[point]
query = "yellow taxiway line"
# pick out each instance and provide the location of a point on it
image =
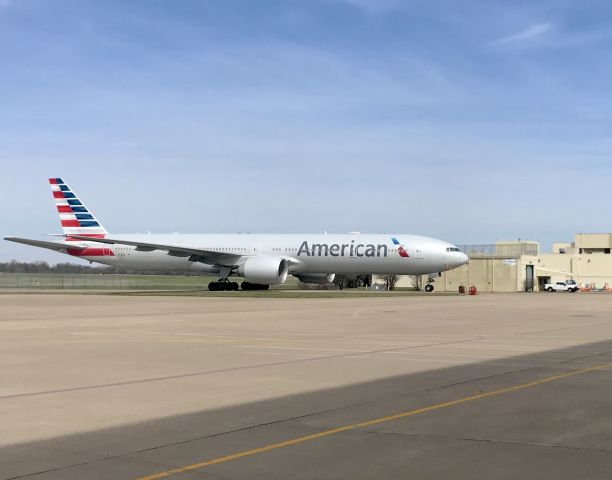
(368, 423)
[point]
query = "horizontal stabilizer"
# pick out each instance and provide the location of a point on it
(56, 246)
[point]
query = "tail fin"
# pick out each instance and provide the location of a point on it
(76, 219)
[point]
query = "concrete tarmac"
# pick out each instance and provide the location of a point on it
(494, 386)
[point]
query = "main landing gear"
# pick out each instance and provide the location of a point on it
(253, 286)
(227, 286)
(222, 286)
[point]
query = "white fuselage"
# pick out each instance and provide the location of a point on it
(319, 253)
(262, 260)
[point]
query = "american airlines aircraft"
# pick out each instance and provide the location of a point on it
(262, 260)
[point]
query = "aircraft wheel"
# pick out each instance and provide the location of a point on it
(254, 286)
(213, 286)
(429, 288)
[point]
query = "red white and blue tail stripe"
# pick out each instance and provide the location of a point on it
(76, 219)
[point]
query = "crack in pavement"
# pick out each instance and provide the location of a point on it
(222, 370)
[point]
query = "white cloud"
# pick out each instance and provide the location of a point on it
(547, 35)
(525, 36)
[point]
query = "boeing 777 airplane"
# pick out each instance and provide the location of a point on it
(262, 260)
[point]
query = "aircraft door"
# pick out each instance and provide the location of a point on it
(529, 278)
(416, 253)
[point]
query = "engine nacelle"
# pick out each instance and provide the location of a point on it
(320, 278)
(264, 270)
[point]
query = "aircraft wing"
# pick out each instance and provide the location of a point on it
(58, 247)
(199, 254)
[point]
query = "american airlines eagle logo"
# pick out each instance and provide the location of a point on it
(400, 249)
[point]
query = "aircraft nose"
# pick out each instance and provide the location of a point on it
(456, 259)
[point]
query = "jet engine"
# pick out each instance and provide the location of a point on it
(320, 278)
(264, 270)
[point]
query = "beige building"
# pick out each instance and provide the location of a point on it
(587, 260)
(518, 266)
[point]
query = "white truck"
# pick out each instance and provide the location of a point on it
(569, 286)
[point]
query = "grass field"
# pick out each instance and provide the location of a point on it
(168, 285)
(101, 281)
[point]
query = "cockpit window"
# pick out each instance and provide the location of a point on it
(452, 249)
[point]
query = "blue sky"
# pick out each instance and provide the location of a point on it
(469, 121)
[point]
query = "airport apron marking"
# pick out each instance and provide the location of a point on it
(369, 423)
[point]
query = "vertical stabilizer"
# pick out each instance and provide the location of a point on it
(76, 218)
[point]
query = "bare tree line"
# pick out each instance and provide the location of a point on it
(63, 268)
(391, 280)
